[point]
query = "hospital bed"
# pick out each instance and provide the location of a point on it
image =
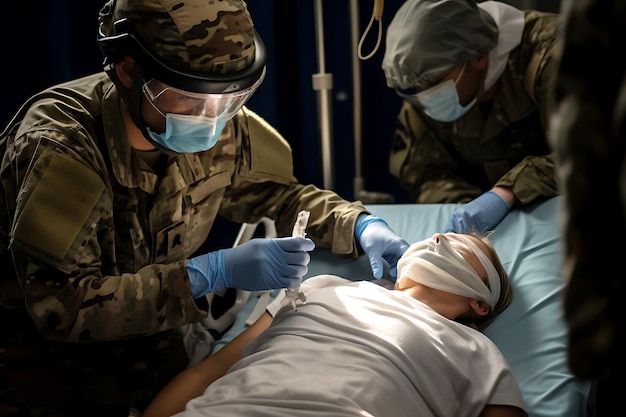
(531, 333)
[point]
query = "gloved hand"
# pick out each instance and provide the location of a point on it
(259, 264)
(481, 214)
(379, 242)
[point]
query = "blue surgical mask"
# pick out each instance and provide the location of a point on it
(189, 134)
(442, 102)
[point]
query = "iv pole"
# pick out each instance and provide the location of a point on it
(358, 183)
(360, 193)
(323, 84)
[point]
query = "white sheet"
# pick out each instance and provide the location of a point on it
(378, 350)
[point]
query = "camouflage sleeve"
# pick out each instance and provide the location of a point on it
(533, 178)
(265, 186)
(422, 164)
(63, 210)
(541, 73)
(589, 132)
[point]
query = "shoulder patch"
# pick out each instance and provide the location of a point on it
(271, 153)
(60, 203)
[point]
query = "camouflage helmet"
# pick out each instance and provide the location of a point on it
(195, 45)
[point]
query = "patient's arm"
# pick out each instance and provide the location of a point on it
(502, 411)
(192, 382)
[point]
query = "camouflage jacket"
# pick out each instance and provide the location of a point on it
(501, 142)
(590, 140)
(100, 241)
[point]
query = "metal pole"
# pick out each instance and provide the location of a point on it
(323, 84)
(358, 183)
(360, 193)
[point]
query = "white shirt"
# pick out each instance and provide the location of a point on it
(358, 349)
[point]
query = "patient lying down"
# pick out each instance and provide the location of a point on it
(359, 349)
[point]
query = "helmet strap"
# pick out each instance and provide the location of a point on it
(132, 97)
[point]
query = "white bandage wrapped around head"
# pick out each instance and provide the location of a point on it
(437, 263)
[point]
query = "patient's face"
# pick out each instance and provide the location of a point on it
(470, 257)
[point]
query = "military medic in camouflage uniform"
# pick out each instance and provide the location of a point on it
(588, 132)
(110, 185)
(474, 79)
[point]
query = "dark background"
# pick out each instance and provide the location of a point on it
(47, 42)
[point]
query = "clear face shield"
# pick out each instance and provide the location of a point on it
(193, 121)
(166, 99)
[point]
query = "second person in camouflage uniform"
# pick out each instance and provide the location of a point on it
(111, 184)
(475, 81)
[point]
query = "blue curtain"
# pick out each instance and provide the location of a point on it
(288, 101)
(46, 42)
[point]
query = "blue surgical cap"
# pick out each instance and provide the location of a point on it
(427, 38)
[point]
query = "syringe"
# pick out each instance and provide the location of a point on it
(299, 230)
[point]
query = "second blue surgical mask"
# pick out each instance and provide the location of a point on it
(442, 102)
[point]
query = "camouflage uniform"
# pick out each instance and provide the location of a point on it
(497, 143)
(100, 238)
(589, 132)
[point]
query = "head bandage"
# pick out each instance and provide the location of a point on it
(439, 265)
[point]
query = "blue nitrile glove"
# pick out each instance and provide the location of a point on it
(378, 241)
(259, 264)
(481, 214)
